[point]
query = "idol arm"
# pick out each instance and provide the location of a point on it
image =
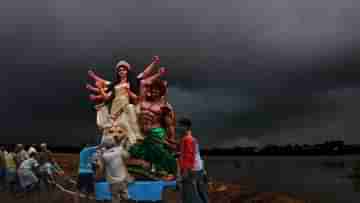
(92, 88)
(149, 80)
(170, 127)
(97, 78)
(150, 68)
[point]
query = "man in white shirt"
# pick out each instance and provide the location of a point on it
(21, 154)
(115, 169)
(200, 175)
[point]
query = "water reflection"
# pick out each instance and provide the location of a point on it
(237, 163)
(356, 184)
(319, 177)
(355, 176)
(333, 164)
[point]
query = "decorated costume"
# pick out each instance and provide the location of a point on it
(115, 115)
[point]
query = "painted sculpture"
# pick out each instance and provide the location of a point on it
(115, 114)
(145, 118)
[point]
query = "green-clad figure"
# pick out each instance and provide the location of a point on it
(157, 122)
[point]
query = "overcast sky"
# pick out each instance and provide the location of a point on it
(249, 72)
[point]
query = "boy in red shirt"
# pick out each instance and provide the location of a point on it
(187, 162)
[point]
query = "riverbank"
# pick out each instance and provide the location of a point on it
(219, 193)
(240, 191)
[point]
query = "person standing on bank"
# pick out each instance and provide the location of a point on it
(10, 170)
(189, 192)
(2, 168)
(200, 175)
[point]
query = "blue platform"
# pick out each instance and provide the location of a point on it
(102, 191)
(138, 190)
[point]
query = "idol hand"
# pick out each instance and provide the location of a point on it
(156, 59)
(162, 71)
(95, 77)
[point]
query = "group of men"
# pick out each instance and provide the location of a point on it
(23, 170)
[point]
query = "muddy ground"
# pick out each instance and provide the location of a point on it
(223, 194)
(240, 191)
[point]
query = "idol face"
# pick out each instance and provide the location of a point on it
(122, 72)
(155, 93)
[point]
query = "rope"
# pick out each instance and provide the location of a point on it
(78, 194)
(69, 192)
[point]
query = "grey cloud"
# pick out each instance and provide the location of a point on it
(284, 27)
(208, 100)
(250, 64)
(315, 128)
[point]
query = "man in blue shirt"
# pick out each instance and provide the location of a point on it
(86, 180)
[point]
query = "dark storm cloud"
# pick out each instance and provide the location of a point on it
(343, 126)
(296, 120)
(245, 69)
(307, 107)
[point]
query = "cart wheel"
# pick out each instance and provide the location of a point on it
(169, 195)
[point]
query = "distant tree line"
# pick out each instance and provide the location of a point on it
(336, 147)
(327, 148)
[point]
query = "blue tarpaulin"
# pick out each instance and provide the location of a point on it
(102, 191)
(138, 190)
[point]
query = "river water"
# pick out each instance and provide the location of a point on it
(322, 178)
